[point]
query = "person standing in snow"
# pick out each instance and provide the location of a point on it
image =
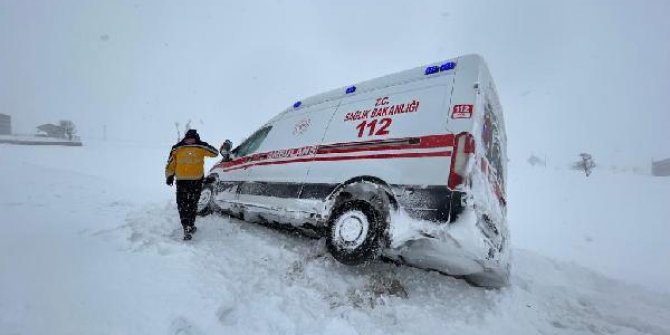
(186, 163)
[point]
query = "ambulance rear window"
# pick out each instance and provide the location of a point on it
(491, 136)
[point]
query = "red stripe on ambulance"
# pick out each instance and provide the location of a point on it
(409, 143)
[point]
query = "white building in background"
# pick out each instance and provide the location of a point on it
(661, 168)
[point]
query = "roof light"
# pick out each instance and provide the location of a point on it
(351, 89)
(432, 69)
(297, 104)
(447, 66)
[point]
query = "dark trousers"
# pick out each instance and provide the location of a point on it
(188, 194)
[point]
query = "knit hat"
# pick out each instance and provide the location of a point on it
(192, 133)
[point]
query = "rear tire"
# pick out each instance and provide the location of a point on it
(354, 232)
(205, 202)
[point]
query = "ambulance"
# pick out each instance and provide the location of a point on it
(410, 166)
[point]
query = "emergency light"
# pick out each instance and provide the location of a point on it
(297, 104)
(447, 66)
(351, 89)
(432, 69)
(444, 67)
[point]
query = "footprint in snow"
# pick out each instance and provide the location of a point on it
(226, 315)
(182, 326)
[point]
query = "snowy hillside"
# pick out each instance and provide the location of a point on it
(91, 244)
(616, 223)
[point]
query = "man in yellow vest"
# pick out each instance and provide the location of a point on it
(186, 163)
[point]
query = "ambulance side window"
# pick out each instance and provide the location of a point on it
(252, 143)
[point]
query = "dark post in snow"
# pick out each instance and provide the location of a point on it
(586, 164)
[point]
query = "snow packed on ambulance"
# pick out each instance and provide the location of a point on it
(410, 166)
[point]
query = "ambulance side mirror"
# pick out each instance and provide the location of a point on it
(225, 150)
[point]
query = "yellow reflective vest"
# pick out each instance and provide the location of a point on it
(187, 161)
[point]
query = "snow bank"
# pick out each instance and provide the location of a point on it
(91, 245)
(38, 140)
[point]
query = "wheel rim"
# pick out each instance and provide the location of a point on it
(351, 229)
(205, 197)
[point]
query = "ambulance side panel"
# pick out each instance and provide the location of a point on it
(376, 120)
(409, 151)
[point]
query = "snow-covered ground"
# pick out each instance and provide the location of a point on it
(38, 140)
(616, 223)
(91, 245)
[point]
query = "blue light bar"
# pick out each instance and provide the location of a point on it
(432, 69)
(297, 104)
(447, 66)
(351, 89)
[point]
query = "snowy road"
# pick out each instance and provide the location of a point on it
(90, 251)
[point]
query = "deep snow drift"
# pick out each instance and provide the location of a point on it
(91, 245)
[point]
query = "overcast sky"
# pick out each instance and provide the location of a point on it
(572, 75)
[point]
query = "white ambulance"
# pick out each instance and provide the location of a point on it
(411, 166)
